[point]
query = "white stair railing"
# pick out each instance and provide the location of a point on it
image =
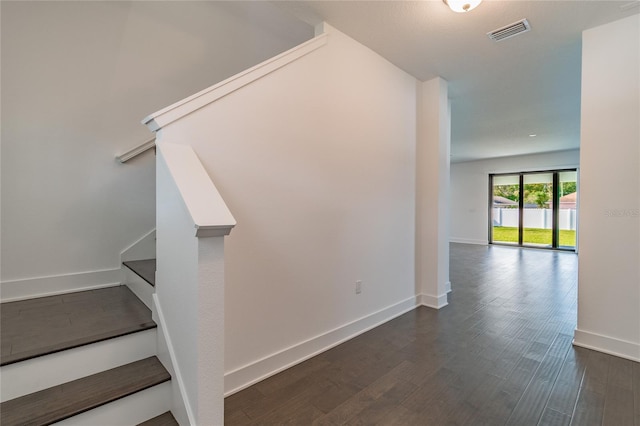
(151, 143)
(192, 221)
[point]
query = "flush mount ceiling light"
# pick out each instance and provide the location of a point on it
(462, 6)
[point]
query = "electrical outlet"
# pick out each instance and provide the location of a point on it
(358, 287)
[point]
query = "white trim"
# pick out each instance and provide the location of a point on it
(213, 231)
(168, 115)
(29, 288)
(143, 248)
(430, 301)
(208, 211)
(123, 158)
(608, 345)
(245, 376)
(468, 241)
(182, 406)
(447, 287)
(139, 286)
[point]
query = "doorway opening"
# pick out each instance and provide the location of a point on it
(534, 209)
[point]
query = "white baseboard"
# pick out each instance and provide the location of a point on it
(250, 374)
(144, 248)
(30, 288)
(431, 301)
(606, 344)
(180, 407)
(468, 241)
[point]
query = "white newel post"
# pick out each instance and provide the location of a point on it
(211, 331)
(192, 221)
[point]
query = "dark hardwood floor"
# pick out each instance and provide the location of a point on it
(165, 419)
(146, 269)
(66, 400)
(499, 354)
(35, 327)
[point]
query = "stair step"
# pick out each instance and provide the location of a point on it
(45, 325)
(146, 269)
(165, 419)
(36, 374)
(60, 402)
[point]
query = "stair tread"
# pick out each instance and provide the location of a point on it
(75, 397)
(146, 269)
(36, 327)
(165, 419)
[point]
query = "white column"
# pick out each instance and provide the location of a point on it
(609, 222)
(432, 193)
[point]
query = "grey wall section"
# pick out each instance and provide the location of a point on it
(77, 78)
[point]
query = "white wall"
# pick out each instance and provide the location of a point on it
(316, 161)
(609, 271)
(77, 78)
(433, 145)
(470, 189)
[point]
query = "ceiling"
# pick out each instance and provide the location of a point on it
(501, 92)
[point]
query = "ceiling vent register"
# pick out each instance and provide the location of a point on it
(510, 30)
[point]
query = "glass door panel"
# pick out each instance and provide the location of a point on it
(567, 203)
(505, 218)
(537, 215)
(535, 209)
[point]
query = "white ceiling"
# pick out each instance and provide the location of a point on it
(500, 92)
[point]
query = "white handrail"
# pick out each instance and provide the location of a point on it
(210, 215)
(151, 143)
(158, 120)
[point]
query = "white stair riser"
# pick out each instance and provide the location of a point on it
(139, 287)
(43, 372)
(128, 411)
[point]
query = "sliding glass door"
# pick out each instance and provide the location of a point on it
(505, 215)
(567, 209)
(537, 214)
(535, 209)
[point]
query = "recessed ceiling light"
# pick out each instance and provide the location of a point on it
(533, 135)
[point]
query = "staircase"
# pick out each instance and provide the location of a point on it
(84, 358)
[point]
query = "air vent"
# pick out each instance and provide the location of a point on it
(510, 30)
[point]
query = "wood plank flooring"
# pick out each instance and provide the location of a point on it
(146, 269)
(499, 354)
(45, 325)
(165, 419)
(72, 398)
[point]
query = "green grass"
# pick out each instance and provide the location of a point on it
(532, 236)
